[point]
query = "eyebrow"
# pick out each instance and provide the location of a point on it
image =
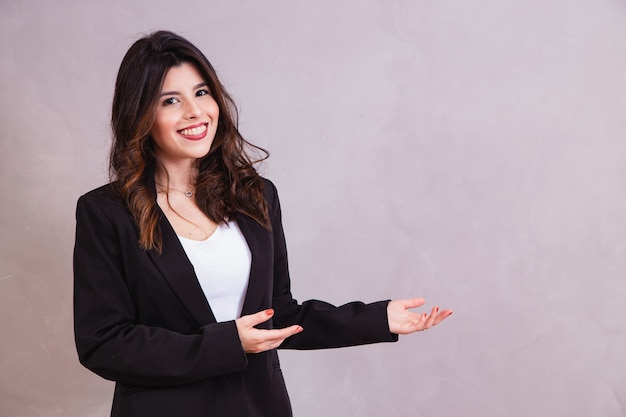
(174, 93)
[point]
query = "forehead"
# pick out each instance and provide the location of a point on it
(182, 76)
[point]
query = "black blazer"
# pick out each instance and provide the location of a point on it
(141, 319)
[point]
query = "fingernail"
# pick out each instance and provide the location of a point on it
(269, 311)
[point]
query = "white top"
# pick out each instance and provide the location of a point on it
(222, 265)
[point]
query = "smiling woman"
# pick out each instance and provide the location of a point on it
(151, 91)
(181, 283)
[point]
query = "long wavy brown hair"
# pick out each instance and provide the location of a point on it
(227, 182)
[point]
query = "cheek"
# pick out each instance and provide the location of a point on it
(213, 109)
(156, 134)
(159, 138)
(161, 128)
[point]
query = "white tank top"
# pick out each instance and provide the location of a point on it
(222, 264)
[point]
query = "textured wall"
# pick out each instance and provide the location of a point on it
(472, 152)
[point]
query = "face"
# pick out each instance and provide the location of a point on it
(186, 117)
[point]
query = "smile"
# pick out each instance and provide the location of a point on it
(196, 131)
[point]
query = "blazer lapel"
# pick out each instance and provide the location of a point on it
(259, 285)
(179, 273)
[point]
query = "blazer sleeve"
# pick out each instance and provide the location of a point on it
(110, 339)
(325, 325)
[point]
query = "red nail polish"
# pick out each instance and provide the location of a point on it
(269, 311)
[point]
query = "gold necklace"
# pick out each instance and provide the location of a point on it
(187, 194)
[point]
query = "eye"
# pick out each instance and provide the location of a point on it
(203, 92)
(169, 101)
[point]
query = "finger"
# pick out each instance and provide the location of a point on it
(444, 314)
(252, 320)
(420, 322)
(279, 335)
(430, 321)
(274, 338)
(276, 335)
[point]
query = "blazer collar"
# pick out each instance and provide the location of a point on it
(258, 295)
(179, 273)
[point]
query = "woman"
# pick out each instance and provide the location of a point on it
(182, 291)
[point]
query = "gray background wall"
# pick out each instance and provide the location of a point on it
(471, 152)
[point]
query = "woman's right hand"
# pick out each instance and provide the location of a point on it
(255, 340)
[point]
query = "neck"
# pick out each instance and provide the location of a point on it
(175, 177)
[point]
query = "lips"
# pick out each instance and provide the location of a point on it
(195, 132)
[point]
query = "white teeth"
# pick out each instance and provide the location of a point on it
(193, 132)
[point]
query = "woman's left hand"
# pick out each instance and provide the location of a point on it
(403, 321)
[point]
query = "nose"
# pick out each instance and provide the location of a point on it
(192, 109)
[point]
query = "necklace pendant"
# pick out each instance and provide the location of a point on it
(188, 194)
